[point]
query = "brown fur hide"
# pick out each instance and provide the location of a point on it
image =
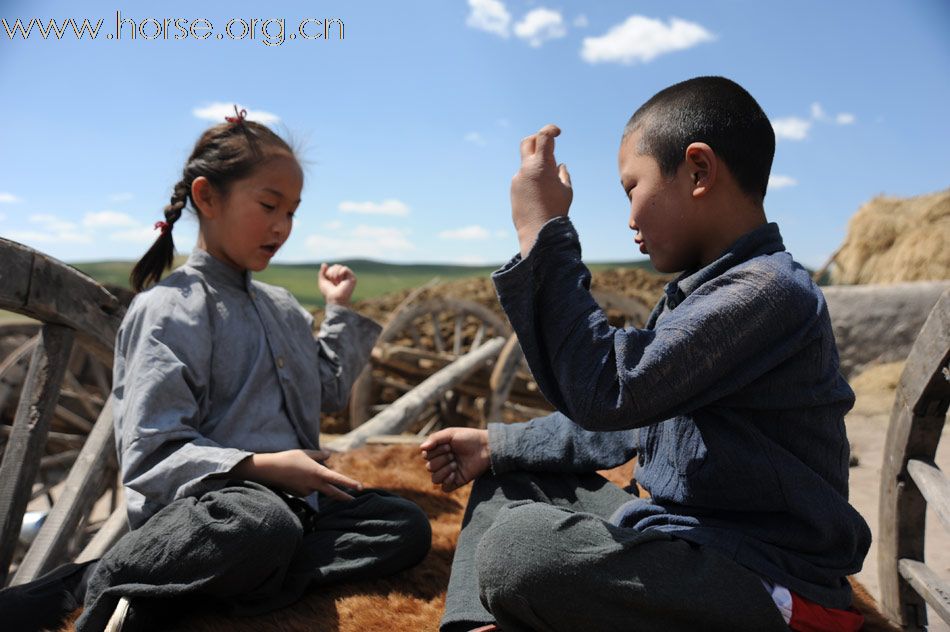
(413, 599)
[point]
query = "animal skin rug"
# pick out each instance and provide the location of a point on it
(411, 600)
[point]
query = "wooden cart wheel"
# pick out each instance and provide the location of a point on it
(910, 480)
(514, 394)
(63, 412)
(418, 340)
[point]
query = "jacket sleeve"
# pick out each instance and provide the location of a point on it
(160, 390)
(556, 444)
(721, 337)
(345, 341)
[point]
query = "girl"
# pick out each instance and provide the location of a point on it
(218, 389)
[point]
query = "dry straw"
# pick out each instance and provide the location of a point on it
(891, 240)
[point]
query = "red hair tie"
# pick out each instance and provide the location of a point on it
(164, 226)
(238, 118)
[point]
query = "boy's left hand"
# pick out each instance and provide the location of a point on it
(541, 190)
(336, 283)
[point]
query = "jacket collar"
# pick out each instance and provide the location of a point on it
(217, 271)
(764, 240)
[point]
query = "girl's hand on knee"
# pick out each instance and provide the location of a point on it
(456, 456)
(299, 472)
(336, 283)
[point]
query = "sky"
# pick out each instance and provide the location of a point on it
(408, 126)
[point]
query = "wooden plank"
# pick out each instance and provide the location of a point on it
(934, 591)
(934, 486)
(502, 379)
(400, 413)
(72, 419)
(395, 440)
(108, 534)
(21, 460)
(85, 483)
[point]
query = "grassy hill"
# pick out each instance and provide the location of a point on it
(375, 278)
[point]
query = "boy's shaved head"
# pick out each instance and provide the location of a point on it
(715, 111)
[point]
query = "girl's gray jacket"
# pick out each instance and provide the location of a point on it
(212, 366)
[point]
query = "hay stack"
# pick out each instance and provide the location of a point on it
(894, 239)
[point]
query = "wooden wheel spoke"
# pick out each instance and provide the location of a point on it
(437, 333)
(479, 336)
(21, 460)
(457, 341)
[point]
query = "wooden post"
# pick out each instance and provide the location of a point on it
(400, 413)
(82, 488)
(21, 460)
(920, 410)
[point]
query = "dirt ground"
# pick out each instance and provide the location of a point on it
(867, 429)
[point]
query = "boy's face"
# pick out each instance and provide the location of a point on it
(660, 209)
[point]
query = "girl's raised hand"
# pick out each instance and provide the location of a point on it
(336, 283)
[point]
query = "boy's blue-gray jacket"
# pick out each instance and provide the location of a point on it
(730, 396)
(211, 367)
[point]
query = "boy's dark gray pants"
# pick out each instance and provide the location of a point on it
(537, 553)
(243, 549)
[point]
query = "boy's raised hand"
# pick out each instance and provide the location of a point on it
(336, 283)
(456, 456)
(541, 190)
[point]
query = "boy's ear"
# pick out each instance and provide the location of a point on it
(702, 166)
(205, 197)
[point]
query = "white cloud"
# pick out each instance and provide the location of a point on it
(845, 118)
(107, 219)
(791, 128)
(216, 112)
(581, 21)
(501, 234)
(2, 217)
(8, 198)
(503, 122)
(540, 25)
(466, 232)
(137, 235)
(817, 112)
(641, 39)
(780, 182)
(53, 224)
(333, 225)
(386, 207)
(378, 242)
(35, 237)
(490, 16)
(476, 139)
(120, 197)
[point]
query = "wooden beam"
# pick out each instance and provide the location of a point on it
(85, 483)
(21, 460)
(935, 591)
(934, 486)
(404, 410)
(108, 534)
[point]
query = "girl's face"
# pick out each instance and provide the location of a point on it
(248, 225)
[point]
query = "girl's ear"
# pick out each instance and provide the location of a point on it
(702, 164)
(205, 197)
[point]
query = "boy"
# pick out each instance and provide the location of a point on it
(730, 397)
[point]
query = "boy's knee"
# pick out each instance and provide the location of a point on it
(518, 554)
